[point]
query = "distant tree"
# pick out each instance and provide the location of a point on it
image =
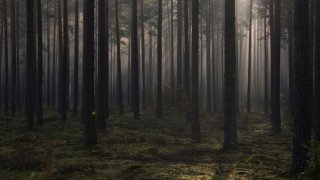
(39, 64)
(172, 78)
(179, 47)
(119, 73)
(159, 60)
(249, 61)
(54, 56)
(195, 131)
(64, 65)
(88, 105)
(76, 59)
(230, 115)
(143, 63)
(302, 88)
(31, 64)
(186, 58)
(135, 61)
(13, 57)
(48, 56)
(208, 41)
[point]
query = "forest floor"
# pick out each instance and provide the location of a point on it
(151, 148)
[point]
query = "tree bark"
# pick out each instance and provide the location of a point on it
(195, 131)
(230, 115)
(88, 106)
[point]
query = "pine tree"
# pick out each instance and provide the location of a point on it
(40, 64)
(302, 88)
(90, 136)
(159, 60)
(30, 65)
(135, 61)
(195, 131)
(230, 115)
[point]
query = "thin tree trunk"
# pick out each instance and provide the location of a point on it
(159, 60)
(144, 105)
(208, 40)
(76, 60)
(249, 61)
(186, 50)
(195, 131)
(13, 57)
(179, 49)
(40, 64)
(30, 65)
(48, 56)
(135, 61)
(119, 74)
(6, 63)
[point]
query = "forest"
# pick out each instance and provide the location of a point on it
(159, 89)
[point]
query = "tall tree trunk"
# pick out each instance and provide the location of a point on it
(266, 62)
(302, 88)
(275, 72)
(159, 60)
(64, 65)
(30, 65)
(186, 49)
(1, 50)
(76, 60)
(144, 105)
(102, 65)
(230, 115)
(13, 57)
(179, 48)
(60, 63)
(172, 77)
(48, 56)
(135, 61)
(54, 57)
(213, 56)
(18, 91)
(6, 61)
(90, 135)
(317, 72)
(290, 51)
(208, 40)
(119, 74)
(195, 131)
(40, 64)
(249, 61)
(151, 66)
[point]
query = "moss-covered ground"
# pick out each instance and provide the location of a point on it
(150, 148)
